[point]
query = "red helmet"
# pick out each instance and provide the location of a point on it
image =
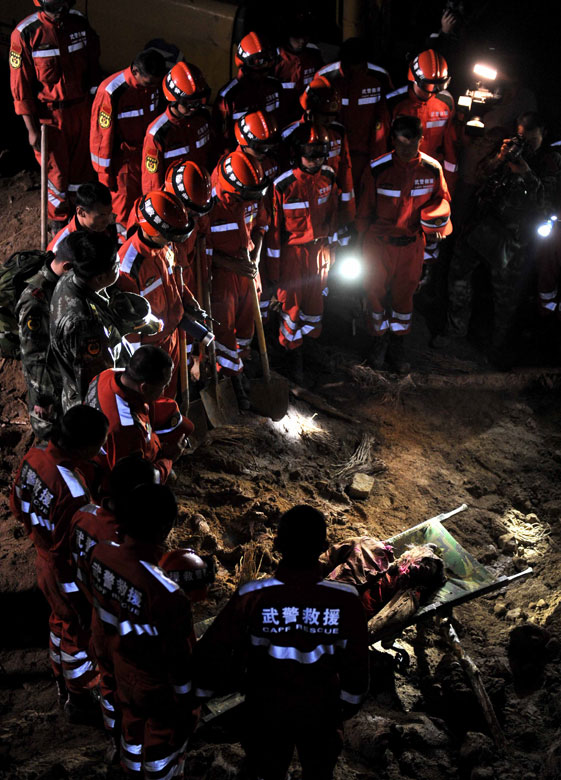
(429, 70)
(242, 175)
(192, 185)
(190, 571)
(259, 131)
(322, 96)
(436, 219)
(310, 140)
(168, 422)
(162, 214)
(255, 52)
(186, 84)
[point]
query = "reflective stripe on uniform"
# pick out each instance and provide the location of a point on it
(124, 410)
(176, 152)
(282, 653)
(151, 287)
(130, 114)
(47, 53)
(301, 204)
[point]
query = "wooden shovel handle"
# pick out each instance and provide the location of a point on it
(260, 331)
(44, 186)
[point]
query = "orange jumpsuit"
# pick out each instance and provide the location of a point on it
(170, 140)
(47, 490)
(233, 224)
(389, 221)
(149, 271)
(364, 112)
(295, 71)
(53, 68)
(121, 113)
(298, 254)
(142, 620)
(439, 132)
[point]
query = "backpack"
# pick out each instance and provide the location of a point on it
(14, 276)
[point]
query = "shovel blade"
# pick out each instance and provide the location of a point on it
(270, 399)
(220, 403)
(196, 413)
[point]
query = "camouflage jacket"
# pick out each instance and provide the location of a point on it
(40, 368)
(84, 338)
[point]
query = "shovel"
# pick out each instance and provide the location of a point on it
(44, 187)
(194, 410)
(269, 397)
(218, 397)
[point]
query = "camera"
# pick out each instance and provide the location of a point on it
(515, 148)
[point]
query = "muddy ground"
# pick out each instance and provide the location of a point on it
(437, 439)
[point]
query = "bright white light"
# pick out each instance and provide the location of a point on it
(465, 100)
(485, 72)
(295, 425)
(475, 122)
(545, 230)
(350, 267)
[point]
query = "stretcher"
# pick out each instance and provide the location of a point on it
(466, 579)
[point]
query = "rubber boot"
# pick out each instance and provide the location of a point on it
(83, 709)
(396, 354)
(377, 355)
(240, 391)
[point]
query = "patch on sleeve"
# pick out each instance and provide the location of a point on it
(104, 117)
(151, 163)
(15, 59)
(33, 324)
(93, 347)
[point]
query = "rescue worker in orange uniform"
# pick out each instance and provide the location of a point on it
(238, 223)
(303, 644)
(258, 137)
(147, 268)
(192, 185)
(47, 491)
(305, 203)
(322, 103)
(298, 61)
(94, 212)
(54, 66)
(401, 191)
(91, 524)
(426, 96)
(127, 398)
(124, 106)
(363, 87)
(142, 619)
(183, 132)
(253, 89)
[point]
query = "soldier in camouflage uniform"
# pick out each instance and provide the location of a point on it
(496, 235)
(84, 337)
(40, 368)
